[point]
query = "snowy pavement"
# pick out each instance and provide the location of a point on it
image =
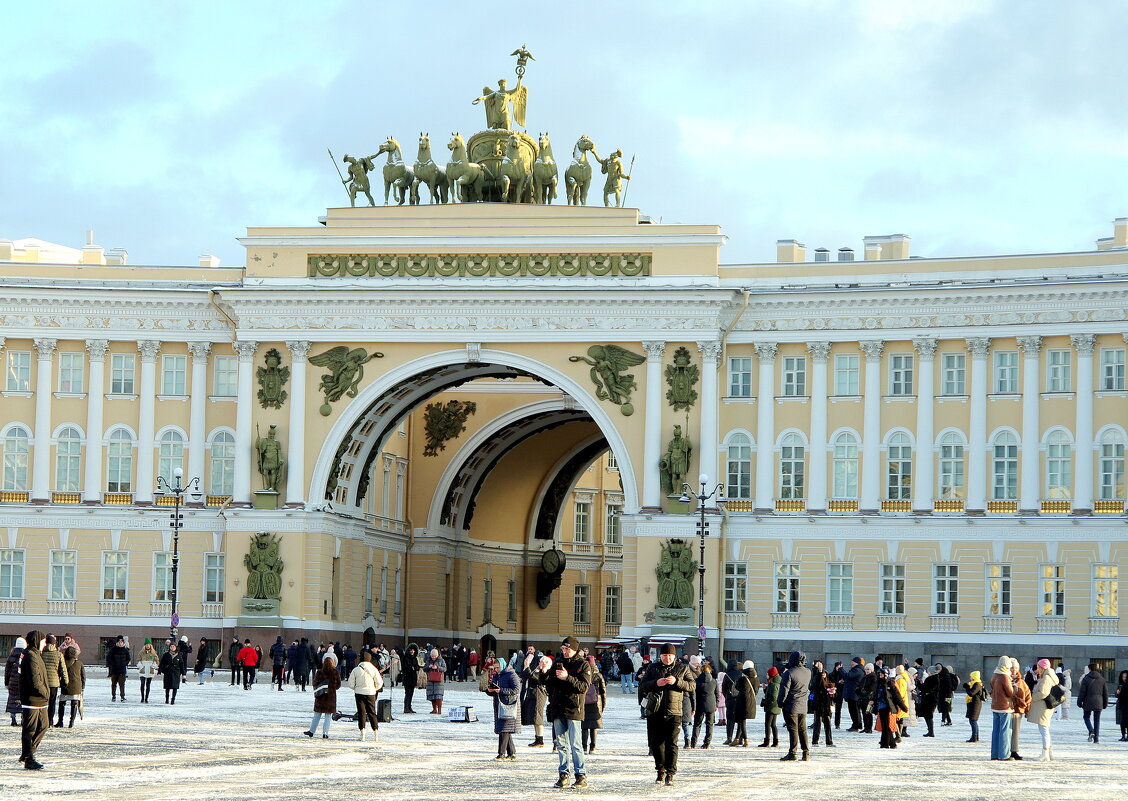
(221, 742)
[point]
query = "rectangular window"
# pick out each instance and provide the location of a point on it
(945, 584)
(162, 576)
(19, 371)
(740, 376)
(511, 602)
(787, 587)
(70, 372)
(1105, 588)
(115, 575)
(399, 606)
(612, 534)
(612, 462)
(11, 573)
(174, 375)
(583, 522)
(122, 367)
(469, 597)
(892, 589)
(1059, 365)
(840, 589)
(954, 366)
(612, 605)
(226, 376)
(487, 601)
(736, 587)
(1006, 372)
(791, 469)
(581, 609)
(951, 469)
(1112, 470)
(1053, 591)
(901, 374)
(368, 588)
(384, 590)
(1112, 368)
(1004, 469)
(846, 375)
(999, 590)
(794, 376)
(213, 577)
(63, 564)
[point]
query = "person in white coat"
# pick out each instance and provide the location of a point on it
(366, 681)
(1039, 713)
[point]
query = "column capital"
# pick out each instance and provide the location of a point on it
(655, 350)
(299, 351)
(199, 351)
(819, 351)
(245, 350)
(97, 349)
(926, 347)
(148, 348)
(766, 351)
(46, 347)
(872, 348)
(1031, 346)
(710, 351)
(1084, 343)
(979, 347)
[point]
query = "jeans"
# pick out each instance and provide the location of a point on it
(698, 719)
(625, 682)
(248, 676)
(974, 728)
(566, 736)
(1000, 735)
(236, 674)
(796, 732)
(324, 726)
(662, 736)
(1044, 732)
(824, 722)
(1093, 721)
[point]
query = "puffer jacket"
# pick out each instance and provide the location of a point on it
(795, 685)
(117, 660)
(365, 679)
(12, 680)
(566, 696)
(706, 701)
(670, 705)
(53, 664)
(1039, 713)
(75, 683)
(34, 691)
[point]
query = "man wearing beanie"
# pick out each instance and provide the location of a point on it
(567, 685)
(34, 695)
(794, 690)
(664, 684)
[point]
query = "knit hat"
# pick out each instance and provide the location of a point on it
(148, 641)
(857, 660)
(749, 665)
(772, 671)
(695, 660)
(570, 642)
(1044, 664)
(329, 656)
(669, 648)
(20, 643)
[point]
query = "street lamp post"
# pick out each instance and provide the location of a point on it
(702, 531)
(178, 490)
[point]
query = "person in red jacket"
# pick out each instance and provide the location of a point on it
(249, 659)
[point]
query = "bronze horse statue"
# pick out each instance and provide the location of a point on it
(577, 179)
(429, 173)
(467, 178)
(396, 173)
(545, 173)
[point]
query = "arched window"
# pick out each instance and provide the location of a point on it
(899, 462)
(68, 460)
(738, 467)
(119, 462)
(1059, 465)
(16, 456)
(1112, 465)
(171, 455)
(1004, 467)
(845, 466)
(952, 466)
(791, 467)
(222, 475)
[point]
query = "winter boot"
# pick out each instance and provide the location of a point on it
(538, 742)
(439, 707)
(362, 735)
(764, 744)
(1045, 755)
(562, 781)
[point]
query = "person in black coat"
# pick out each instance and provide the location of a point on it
(626, 672)
(705, 703)
(864, 693)
(929, 699)
(854, 677)
(203, 653)
(669, 681)
(117, 663)
(302, 657)
(821, 704)
(1092, 697)
(730, 682)
(567, 685)
(794, 689)
(34, 696)
(534, 671)
(946, 684)
(233, 658)
(838, 681)
(278, 662)
(171, 669)
(410, 665)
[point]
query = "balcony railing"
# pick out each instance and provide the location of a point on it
(11, 606)
(160, 608)
(66, 497)
(1104, 625)
(62, 607)
(1051, 625)
(581, 629)
(613, 550)
(1056, 507)
(740, 505)
(791, 505)
(113, 607)
(839, 622)
(1002, 507)
(610, 630)
(211, 609)
(117, 498)
(944, 623)
(165, 500)
(1108, 507)
(897, 506)
(842, 505)
(785, 620)
(736, 620)
(890, 622)
(582, 547)
(993, 624)
(217, 500)
(948, 506)
(13, 496)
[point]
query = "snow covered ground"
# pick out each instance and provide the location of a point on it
(221, 742)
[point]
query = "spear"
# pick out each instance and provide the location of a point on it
(629, 173)
(343, 181)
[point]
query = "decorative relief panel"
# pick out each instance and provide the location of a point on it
(535, 265)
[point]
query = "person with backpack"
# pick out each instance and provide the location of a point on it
(976, 696)
(706, 706)
(1042, 703)
(626, 672)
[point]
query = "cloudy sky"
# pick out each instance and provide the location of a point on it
(975, 127)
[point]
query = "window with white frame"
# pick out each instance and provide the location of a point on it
(736, 587)
(840, 588)
(1106, 581)
(892, 589)
(122, 370)
(612, 462)
(999, 590)
(162, 576)
(1006, 372)
(384, 590)
(740, 376)
(1112, 368)
(368, 589)
(397, 609)
(612, 605)
(946, 589)
(222, 464)
(581, 607)
(115, 575)
(1004, 467)
(487, 601)
(738, 467)
(1059, 368)
(845, 468)
(11, 573)
(213, 577)
(1053, 591)
(226, 381)
(582, 518)
(511, 601)
(71, 367)
(901, 374)
(899, 464)
(1059, 465)
(951, 484)
(787, 587)
(119, 462)
(61, 585)
(18, 371)
(171, 455)
(794, 376)
(847, 374)
(612, 533)
(174, 375)
(954, 373)
(1112, 465)
(17, 455)
(68, 460)
(791, 467)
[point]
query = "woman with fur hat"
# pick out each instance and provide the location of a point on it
(147, 666)
(326, 682)
(12, 679)
(170, 668)
(435, 668)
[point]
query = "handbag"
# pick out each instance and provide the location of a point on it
(506, 711)
(434, 675)
(653, 701)
(320, 690)
(1055, 696)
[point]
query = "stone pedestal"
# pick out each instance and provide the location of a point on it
(260, 613)
(676, 506)
(266, 499)
(669, 616)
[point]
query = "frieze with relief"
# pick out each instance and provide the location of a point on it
(524, 265)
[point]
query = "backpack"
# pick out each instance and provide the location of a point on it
(733, 689)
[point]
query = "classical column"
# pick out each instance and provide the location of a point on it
(1029, 495)
(977, 427)
(41, 451)
(816, 480)
(765, 428)
(871, 427)
(197, 433)
(1083, 436)
(295, 447)
(143, 486)
(923, 489)
(95, 397)
(709, 432)
(243, 438)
